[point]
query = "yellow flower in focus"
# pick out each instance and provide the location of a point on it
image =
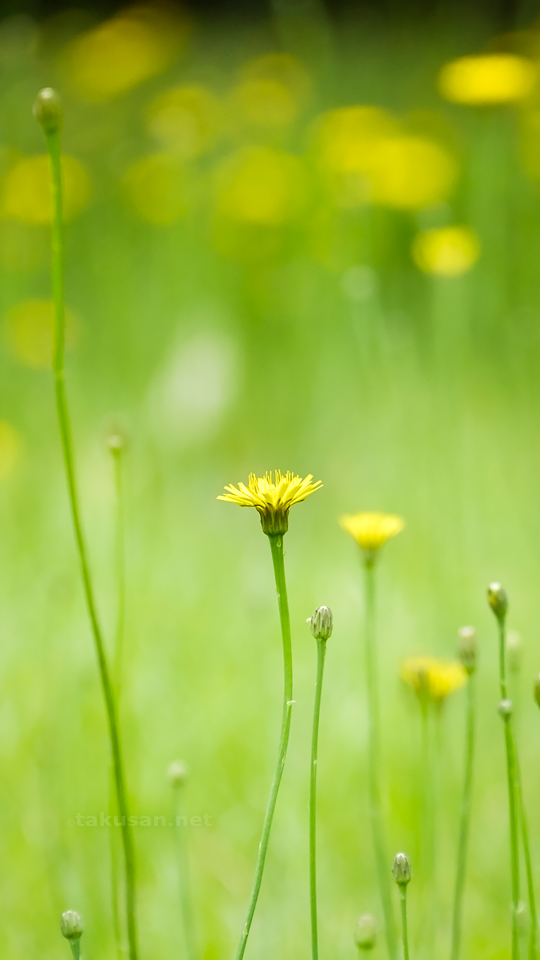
(272, 496)
(371, 529)
(26, 190)
(446, 251)
(10, 449)
(28, 332)
(491, 78)
(123, 52)
(409, 173)
(432, 679)
(185, 119)
(156, 188)
(258, 185)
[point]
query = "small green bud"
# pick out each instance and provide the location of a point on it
(365, 935)
(467, 648)
(48, 110)
(116, 443)
(514, 650)
(177, 772)
(505, 709)
(401, 871)
(521, 916)
(536, 690)
(321, 623)
(498, 600)
(71, 925)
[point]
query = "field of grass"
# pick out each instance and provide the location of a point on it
(227, 344)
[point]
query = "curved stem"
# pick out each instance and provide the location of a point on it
(276, 546)
(374, 762)
(513, 797)
(321, 652)
(53, 146)
(465, 818)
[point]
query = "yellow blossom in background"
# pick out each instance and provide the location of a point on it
(28, 332)
(272, 496)
(23, 248)
(433, 679)
(446, 251)
(186, 120)
(409, 173)
(271, 92)
(10, 449)
(259, 185)
(371, 529)
(491, 78)
(156, 188)
(26, 190)
(123, 52)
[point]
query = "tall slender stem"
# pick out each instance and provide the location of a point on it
(374, 762)
(465, 817)
(183, 864)
(512, 791)
(321, 652)
(75, 948)
(53, 146)
(404, 926)
(533, 929)
(276, 546)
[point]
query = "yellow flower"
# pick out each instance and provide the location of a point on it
(26, 190)
(272, 497)
(371, 530)
(488, 79)
(446, 251)
(432, 679)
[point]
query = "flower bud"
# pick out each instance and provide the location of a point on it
(71, 925)
(365, 934)
(498, 600)
(536, 690)
(521, 916)
(505, 709)
(401, 871)
(48, 110)
(467, 648)
(514, 650)
(177, 772)
(321, 623)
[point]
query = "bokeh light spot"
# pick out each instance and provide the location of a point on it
(488, 79)
(28, 332)
(446, 251)
(26, 191)
(185, 119)
(156, 188)
(259, 185)
(409, 173)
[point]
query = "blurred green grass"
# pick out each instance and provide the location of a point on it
(405, 392)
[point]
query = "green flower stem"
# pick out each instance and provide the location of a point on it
(427, 833)
(53, 146)
(533, 929)
(183, 865)
(374, 738)
(276, 546)
(76, 948)
(404, 927)
(513, 793)
(321, 653)
(117, 454)
(465, 816)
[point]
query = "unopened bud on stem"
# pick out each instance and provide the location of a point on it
(505, 709)
(321, 623)
(366, 932)
(177, 772)
(401, 871)
(498, 600)
(467, 648)
(48, 110)
(71, 925)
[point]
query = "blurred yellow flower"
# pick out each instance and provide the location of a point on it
(185, 119)
(10, 449)
(433, 679)
(272, 496)
(272, 90)
(23, 248)
(491, 78)
(446, 251)
(345, 138)
(26, 190)
(409, 173)
(259, 185)
(371, 529)
(28, 332)
(156, 188)
(123, 52)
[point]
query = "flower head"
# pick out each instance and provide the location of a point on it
(272, 496)
(432, 679)
(372, 530)
(490, 78)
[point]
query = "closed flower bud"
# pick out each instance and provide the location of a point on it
(467, 648)
(401, 871)
(177, 772)
(536, 690)
(514, 650)
(71, 925)
(48, 110)
(498, 600)
(505, 709)
(365, 934)
(321, 623)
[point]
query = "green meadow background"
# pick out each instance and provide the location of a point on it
(317, 346)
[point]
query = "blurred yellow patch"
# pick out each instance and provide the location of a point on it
(271, 92)
(156, 188)
(10, 449)
(28, 332)
(488, 79)
(123, 52)
(345, 138)
(432, 679)
(185, 119)
(410, 173)
(258, 185)
(26, 190)
(23, 248)
(447, 251)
